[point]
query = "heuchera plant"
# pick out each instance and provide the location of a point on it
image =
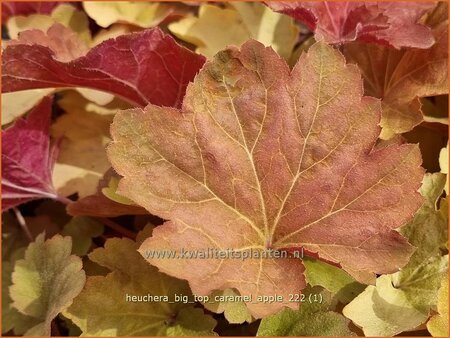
(310, 149)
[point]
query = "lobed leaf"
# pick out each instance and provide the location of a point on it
(386, 23)
(401, 77)
(112, 315)
(402, 301)
(261, 157)
(46, 281)
(216, 28)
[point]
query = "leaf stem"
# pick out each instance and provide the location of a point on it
(23, 224)
(117, 227)
(63, 199)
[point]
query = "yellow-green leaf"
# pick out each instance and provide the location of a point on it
(216, 28)
(402, 301)
(46, 281)
(117, 313)
(438, 324)
(312, 319)
(332, 278)
(142, 14)
(82, 230)
(226, 302)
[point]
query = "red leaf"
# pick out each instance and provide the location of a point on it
(144, 67)
(28, 159)
(388, 23)
(10, 9)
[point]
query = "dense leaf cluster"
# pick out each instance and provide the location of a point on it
(163, 165)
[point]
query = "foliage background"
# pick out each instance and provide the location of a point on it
(69, 243)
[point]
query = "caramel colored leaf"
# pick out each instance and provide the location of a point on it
(400, 77)
(64, 14)
(65, 44)
(387, 23)
(83, 136)
(403, 301)
(142, 67)
(261, 157)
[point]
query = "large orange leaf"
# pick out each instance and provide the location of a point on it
(261, 157)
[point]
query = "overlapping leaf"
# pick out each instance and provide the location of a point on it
(10, 8)
(99, 205)
(312, 319)
(438, 324)
(402, 301)
(143, 14)
(401, 77)
(82, 160)
(387, 23)
(216, 28)
(142, 67)
(130, 275)
(28, 158)
(64, 14)
(264, 158)
(332, 279)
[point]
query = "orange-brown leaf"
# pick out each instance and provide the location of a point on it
(263, 157)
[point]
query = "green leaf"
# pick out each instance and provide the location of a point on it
(332, 278)
(111, 192)
(114, 313)
(82, 230)
(402, 301)
(11, 318)
(438, 324)
(222, 301)
(13, 249)
(312, 319)
(192, 322)
(421, 277)
(45, 282)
